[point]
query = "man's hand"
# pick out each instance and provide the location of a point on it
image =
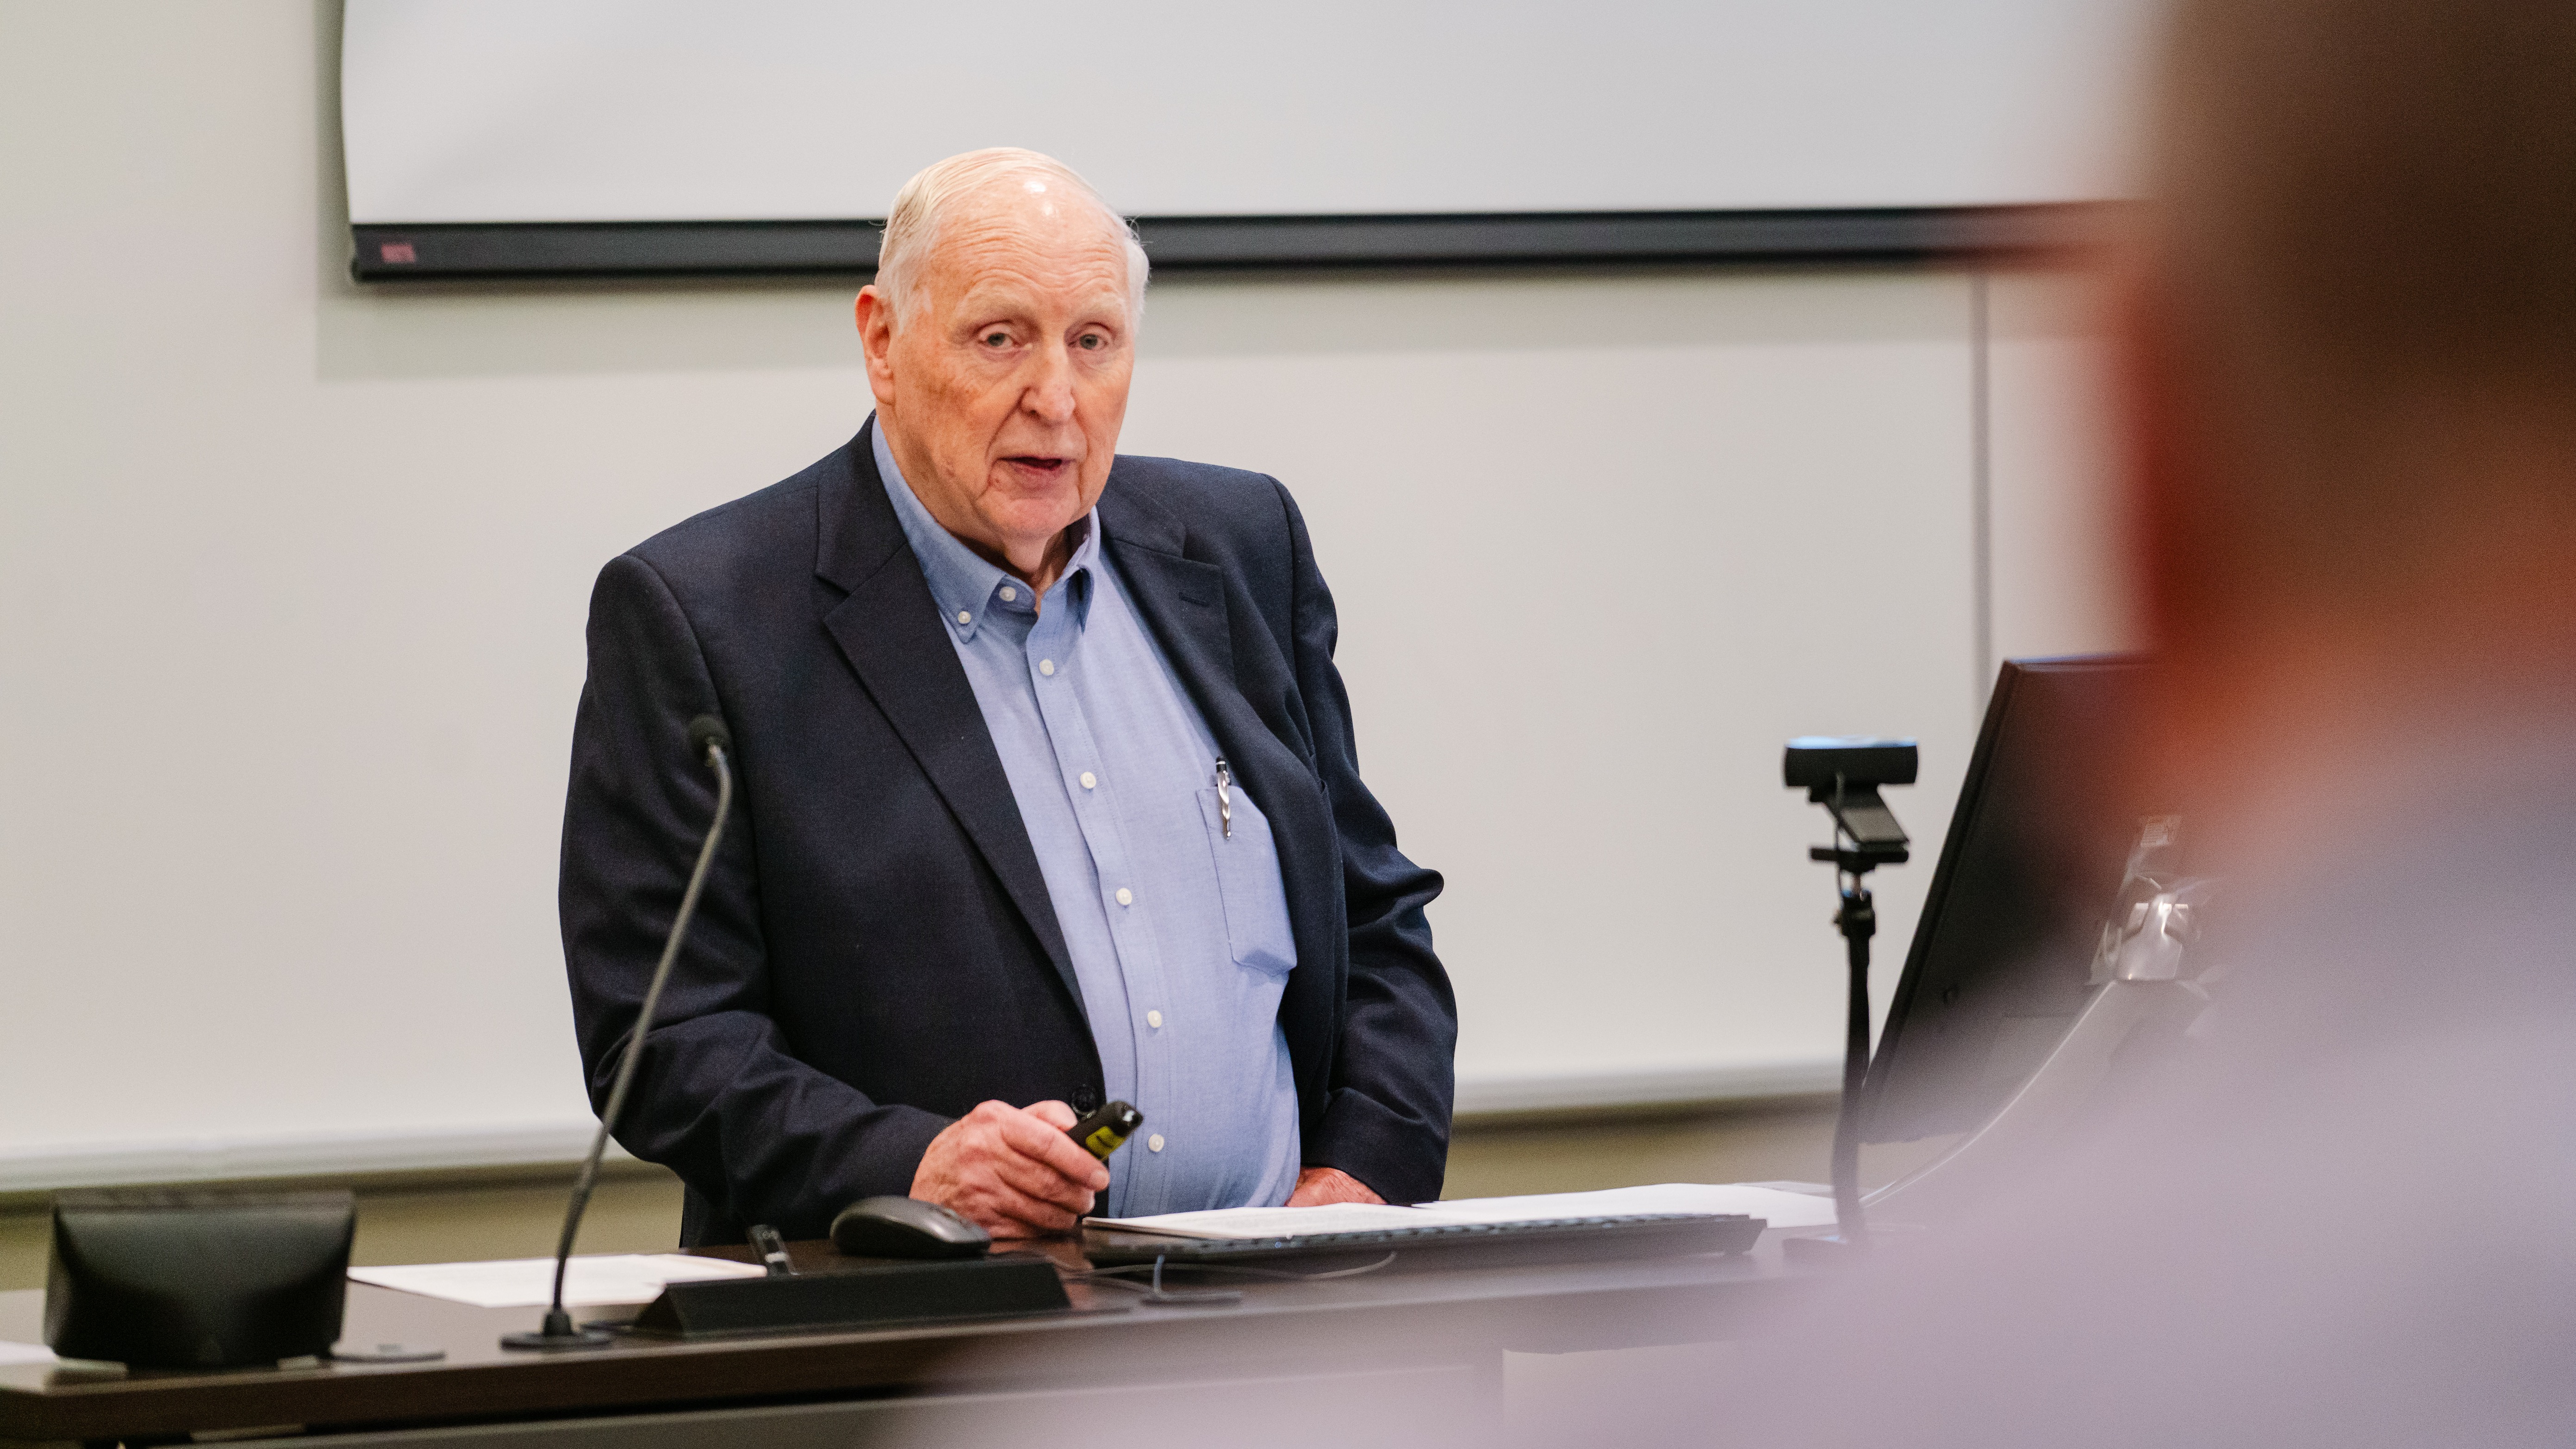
(1317, 1186)
(1011, 1170)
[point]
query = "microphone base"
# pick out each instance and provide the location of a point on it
(559, 1333)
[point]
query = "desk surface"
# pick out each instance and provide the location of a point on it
(1403, 1314)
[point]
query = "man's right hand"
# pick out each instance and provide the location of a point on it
(1012, 1170)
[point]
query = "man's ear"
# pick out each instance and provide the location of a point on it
(875, 317)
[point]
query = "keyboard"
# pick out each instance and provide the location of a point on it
(1637, 1235)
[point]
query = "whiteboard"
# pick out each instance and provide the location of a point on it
(461, 111)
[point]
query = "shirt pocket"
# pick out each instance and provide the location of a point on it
(1248, 885)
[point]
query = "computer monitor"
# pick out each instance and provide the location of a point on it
(2031, 870)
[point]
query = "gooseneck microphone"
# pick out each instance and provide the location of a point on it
(712, 743)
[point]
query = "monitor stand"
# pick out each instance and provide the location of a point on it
(2154, 986)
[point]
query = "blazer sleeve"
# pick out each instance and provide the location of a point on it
(1386, 1120)
(718, 1097)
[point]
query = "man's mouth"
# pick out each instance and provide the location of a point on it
(1039, 463)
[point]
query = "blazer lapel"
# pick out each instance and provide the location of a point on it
(888, 629)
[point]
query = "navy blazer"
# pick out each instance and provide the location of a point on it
(875, 952)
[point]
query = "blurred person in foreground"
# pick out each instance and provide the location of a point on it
(2344, 373)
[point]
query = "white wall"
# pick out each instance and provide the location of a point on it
(293, 577)
(2057, 581)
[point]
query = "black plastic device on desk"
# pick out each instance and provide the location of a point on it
(884, 1295)
(184, 1279)
(772, 1250)
(966, 1285)
(906, 1227)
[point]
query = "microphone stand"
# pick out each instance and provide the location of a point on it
(709, 739)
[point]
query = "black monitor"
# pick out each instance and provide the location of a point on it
(2029, 873)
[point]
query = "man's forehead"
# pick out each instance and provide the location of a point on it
(989, 259)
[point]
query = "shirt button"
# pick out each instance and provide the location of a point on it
(1009, 593)
(1155, 1142)
(965, 618)
(1046, 666)
(1126, 897)
(1090, 780)
(1153, 1018)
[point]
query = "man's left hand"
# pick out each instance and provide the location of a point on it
(1317, 1186)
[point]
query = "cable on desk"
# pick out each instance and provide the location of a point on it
(1110, 1276)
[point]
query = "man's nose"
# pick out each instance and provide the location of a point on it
(1048, 393)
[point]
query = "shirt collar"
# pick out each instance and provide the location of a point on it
(961, 581)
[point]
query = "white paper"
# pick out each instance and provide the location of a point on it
(1781, 1209)
(26, 1353)
(529, 1282)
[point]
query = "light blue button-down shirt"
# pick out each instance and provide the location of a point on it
(1165, 881)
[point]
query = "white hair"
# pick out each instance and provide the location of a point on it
(920, 209)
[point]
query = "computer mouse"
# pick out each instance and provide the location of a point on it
(906, 1227)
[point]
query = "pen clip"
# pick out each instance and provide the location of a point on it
(1225, 798)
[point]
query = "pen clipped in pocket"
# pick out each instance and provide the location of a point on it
(1247, 878)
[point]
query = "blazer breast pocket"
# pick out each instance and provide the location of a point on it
(1247, 884)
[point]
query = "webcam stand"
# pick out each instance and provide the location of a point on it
(1866, 836)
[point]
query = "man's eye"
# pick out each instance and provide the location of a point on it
(1092, 342)
(997, 339)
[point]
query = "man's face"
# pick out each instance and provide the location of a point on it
(1003, 394)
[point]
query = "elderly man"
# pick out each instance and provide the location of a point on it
(1048, 792)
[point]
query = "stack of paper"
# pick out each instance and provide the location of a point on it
(529, 1282)
(1781, 1208)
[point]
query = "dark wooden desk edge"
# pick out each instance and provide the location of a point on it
(1314, 1328)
